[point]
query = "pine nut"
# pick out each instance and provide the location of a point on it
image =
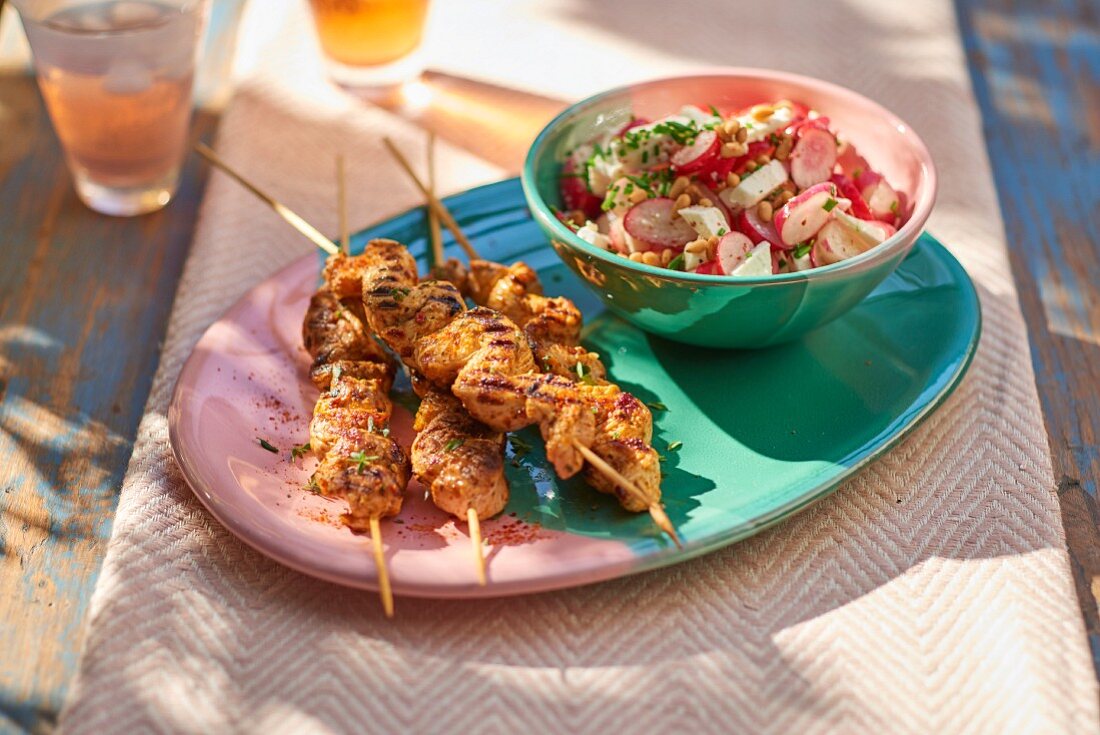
(636, 257)
(704, 202)
(651, 258)
(764, 211)
(666, 256)
(678, 186)
(638, 195)
(682, 201)
(742, 135)
(696, 246)
(731, 127)
(733, 179)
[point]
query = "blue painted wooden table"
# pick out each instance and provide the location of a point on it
(80, 331)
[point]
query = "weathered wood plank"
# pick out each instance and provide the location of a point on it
(1036, 73)
(84, 303)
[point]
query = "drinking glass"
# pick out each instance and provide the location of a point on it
(116, 76)
(371, 43)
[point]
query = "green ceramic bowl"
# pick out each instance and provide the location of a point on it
(724, 311)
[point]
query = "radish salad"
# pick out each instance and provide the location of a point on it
(770, 189)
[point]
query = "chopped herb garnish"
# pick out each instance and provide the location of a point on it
(782, 263)
(801, 250)
(313, 487)
(857, 173)
(894, 206)
(298, 451)
(721, 231)
(714, 111)
(519, 445)
(453, 444)
(673, 446)
(361, 460)
(268, 446)
(398, 294)
(645, 156)
(657, 406)
(829, 204)
(661, 458)
(584, 374)
(677, 263)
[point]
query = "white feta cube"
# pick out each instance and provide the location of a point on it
(592, 235)
(757, 263)
(756, 186)
(708, 222)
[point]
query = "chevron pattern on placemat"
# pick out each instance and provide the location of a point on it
(930, 594)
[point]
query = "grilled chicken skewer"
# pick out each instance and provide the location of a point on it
(359, 462)
(624, 425)
(458, 459)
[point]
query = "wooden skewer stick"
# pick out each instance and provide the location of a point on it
(433, 202)
(475, 539)
(293, 219)
(436, 237)
(434, 231)
(655, 509)
(384, 589)
(342, 204)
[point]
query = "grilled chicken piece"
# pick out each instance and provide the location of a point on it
(367, 470)
(624, 425)
(459, 459)
(334, 333)
(623, 435)
(487, 362)
(349, 406)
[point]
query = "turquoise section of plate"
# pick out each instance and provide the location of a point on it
(747, 437)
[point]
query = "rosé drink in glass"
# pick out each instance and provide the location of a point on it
(116, 77)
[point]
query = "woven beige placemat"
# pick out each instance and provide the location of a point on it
(930, 594)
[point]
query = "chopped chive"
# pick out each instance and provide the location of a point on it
(673, 446)
(677, 263)
(829, 204)
(268, 446)
(801, 250)
(453, 444)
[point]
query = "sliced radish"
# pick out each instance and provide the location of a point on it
(575, 193)
(732, 250)
(851, 163)
(620, 240)
(636, 122)
(710, 268)
(813, 157)
(836, 242)
(882, 200)
(757, 229)
(698, 155)
(846, 236)
(654, 222)
(849, 191)
(800, 218)
(870, 231)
